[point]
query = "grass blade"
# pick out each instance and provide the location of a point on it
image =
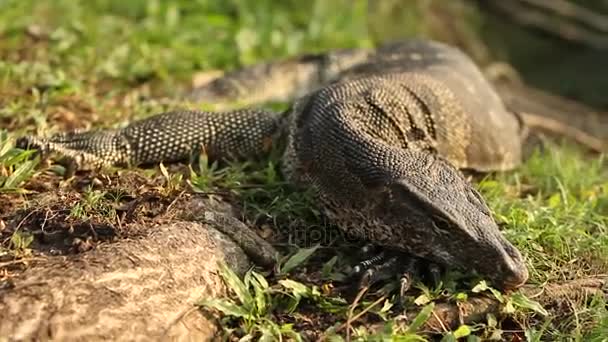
(421, 318)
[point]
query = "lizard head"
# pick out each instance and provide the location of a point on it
(441, 217)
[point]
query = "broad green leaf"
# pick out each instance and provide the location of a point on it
(508, 308)
(461, 296)
(225, 306)
(15, 156)
(483, 286)
(267, 335)
(462, 331)
(260, 278)
(260, 295)
(522, 301)
(5, 144)
(480, 287)
(298, 289)
(287, 330)
(422, 300)
(298, 258)
(247, 278)
(387, 306)
(21, 241)
(492, 322)
(328, 266)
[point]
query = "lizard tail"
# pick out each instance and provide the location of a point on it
(542, 111)
(540, 122)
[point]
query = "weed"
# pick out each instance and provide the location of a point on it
(94, 203)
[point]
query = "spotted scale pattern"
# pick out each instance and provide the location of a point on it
(175, 135)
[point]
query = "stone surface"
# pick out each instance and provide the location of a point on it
(134, 289)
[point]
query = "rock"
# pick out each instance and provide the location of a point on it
(135, 289)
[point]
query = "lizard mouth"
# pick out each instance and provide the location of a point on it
(515, 280)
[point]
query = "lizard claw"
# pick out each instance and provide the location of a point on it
(396, 265)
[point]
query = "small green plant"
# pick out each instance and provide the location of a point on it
(20, 243)
(173, 182)
(94, 203)
(16, 165)
(252, 307)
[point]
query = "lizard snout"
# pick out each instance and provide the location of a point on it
(513, 271)
(516, 279)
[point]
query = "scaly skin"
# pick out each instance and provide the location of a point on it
(381, 146)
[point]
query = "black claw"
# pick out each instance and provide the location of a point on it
(409, 271)
(379, 272)
(434, 274)
(405, 283)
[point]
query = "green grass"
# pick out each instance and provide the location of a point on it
(75, 64)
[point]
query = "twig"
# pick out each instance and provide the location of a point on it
(174, 201)
(440, 321)
(20, 261)
(351, 310)
(573, 11)
(363, 312)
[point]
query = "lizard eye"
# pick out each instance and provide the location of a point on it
(441, 224)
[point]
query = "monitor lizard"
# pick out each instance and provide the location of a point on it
(381, 136)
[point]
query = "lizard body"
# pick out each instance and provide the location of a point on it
(379, 135)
